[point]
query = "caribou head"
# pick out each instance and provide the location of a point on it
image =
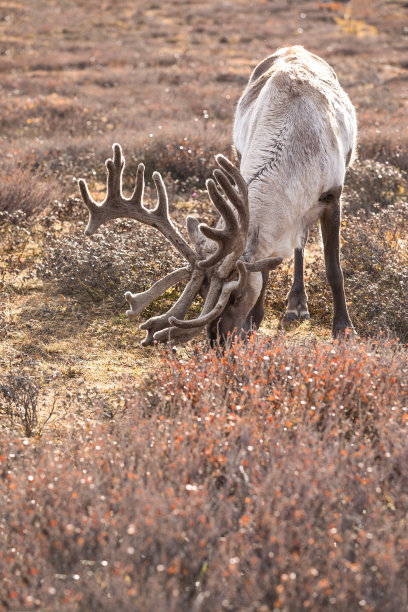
(219, 266)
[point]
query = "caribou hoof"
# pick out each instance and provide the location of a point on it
(344, 332)
(293, 315)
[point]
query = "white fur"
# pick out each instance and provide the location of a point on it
(294, 138)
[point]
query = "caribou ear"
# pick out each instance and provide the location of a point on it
(202, 246)
(192, 229)
(252, 245)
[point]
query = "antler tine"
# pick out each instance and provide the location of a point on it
(110, 207)
(86, 196)
(137, 195)
(231, 237)
(116, 205)
(160, 328)
(222, 236)
(211, 311)
(179, 309)
(176, 335)
(181, 331)
(162, 207)
(270, 263)
(140, 301)
(233, 172)
(115, 168)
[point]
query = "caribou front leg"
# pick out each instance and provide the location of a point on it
(330, 224)
(297, 298)
(256, 315)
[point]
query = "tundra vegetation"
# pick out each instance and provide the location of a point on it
(271, 476)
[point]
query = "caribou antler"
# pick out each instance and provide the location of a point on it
(232, 236)
(115, 205)
(222, 266)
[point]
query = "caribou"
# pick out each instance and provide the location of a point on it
(294, 134)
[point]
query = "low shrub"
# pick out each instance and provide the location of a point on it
(371, 184)
(186, 160)
(18, 403)
(387, 148)
(267, 477)
(16, 234)
(22, 190)
(375, 255)
(121, 257)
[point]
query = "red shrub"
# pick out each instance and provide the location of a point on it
(266, 477)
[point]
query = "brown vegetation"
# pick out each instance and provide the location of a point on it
(268, 477)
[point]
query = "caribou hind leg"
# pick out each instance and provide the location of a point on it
(297, 298)
(330, 226)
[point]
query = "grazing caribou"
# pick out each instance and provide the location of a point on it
(294, 133)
